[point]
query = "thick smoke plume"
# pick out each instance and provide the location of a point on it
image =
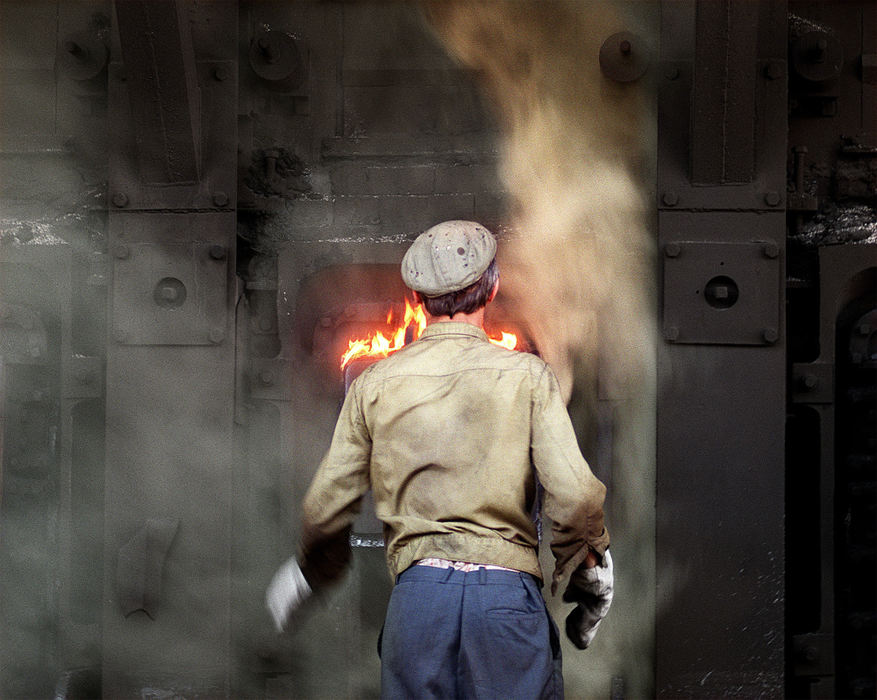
(577, 262)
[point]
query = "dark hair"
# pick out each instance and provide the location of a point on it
(466, 300)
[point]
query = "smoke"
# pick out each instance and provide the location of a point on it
(577, 259)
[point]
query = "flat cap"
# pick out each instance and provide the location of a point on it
(448, 257)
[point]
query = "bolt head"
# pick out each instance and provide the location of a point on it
(216, 335)
(770, 335)
(770, 250)
(772, 199)
(121, 251)
(671, 333)
(220, 199)
(672, 250)
(671, 199)
(217, 252)
(120, 199)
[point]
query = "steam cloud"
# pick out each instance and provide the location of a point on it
(578, 258)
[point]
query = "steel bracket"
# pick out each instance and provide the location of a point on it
(171, 277)
(722, 293)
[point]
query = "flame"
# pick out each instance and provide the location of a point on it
(379, 345)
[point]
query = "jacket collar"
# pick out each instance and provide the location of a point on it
(445, 328)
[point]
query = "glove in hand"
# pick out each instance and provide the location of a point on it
(592, 589)
(286, 592)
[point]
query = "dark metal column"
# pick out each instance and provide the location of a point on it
(721, 400)
(170, 350)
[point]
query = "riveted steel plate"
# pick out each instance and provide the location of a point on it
(131, 189)
(721, 293)
(170, 278)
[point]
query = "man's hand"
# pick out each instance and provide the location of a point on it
(592, 588)
(286, 592)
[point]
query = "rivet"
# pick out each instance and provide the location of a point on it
(265, 324)
(672, 250)
(864, 329)
(770, 250)
(809, 381)
(216, 335)
(217, 252)
(772, 199)
(120, 199)
(121, 251)
(671, 333)
(671, 199)
(220, 199)
(672, 74)
(220, 73)
(770, 335)
(266, 377)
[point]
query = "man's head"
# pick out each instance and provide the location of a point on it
(452, 267)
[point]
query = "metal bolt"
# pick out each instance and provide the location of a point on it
(217, 252)
(809, 381)
(624, 47)
(216, 335)
(220, 73)
(267, 49)
(670, 198)
(770, 335)
(772, 199)
(671, 333)
(672, 74)
(220, 199)
(169, 293)
(770, 250)
(864, 329)
(121, 251)
(120, 199)
(266, 377)
(672, 250)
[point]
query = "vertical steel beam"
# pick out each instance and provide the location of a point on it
(156, 46)
(721, 400)
(170, 368)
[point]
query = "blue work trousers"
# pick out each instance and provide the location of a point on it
(482, 634)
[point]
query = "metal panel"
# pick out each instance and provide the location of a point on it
(170, 278)
(721, 402)
(725, 293)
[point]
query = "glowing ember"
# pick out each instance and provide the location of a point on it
(377, 344)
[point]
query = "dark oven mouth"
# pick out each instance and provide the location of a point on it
(344, 303)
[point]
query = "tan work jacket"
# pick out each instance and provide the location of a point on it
(447, 433)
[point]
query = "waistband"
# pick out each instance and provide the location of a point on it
(464, 566)
(480, 576)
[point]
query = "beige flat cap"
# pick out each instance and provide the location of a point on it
(448, 257)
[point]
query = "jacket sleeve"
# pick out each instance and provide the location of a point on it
(335, 496)
(573, 495)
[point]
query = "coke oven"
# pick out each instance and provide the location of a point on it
(201, 203)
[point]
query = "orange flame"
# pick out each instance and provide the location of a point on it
(379, 345)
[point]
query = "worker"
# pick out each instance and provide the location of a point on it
(457, 438)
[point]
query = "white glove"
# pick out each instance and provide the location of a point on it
(286, 592)
(594, 588)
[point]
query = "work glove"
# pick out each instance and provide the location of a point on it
(286, 592)
(591, 589)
